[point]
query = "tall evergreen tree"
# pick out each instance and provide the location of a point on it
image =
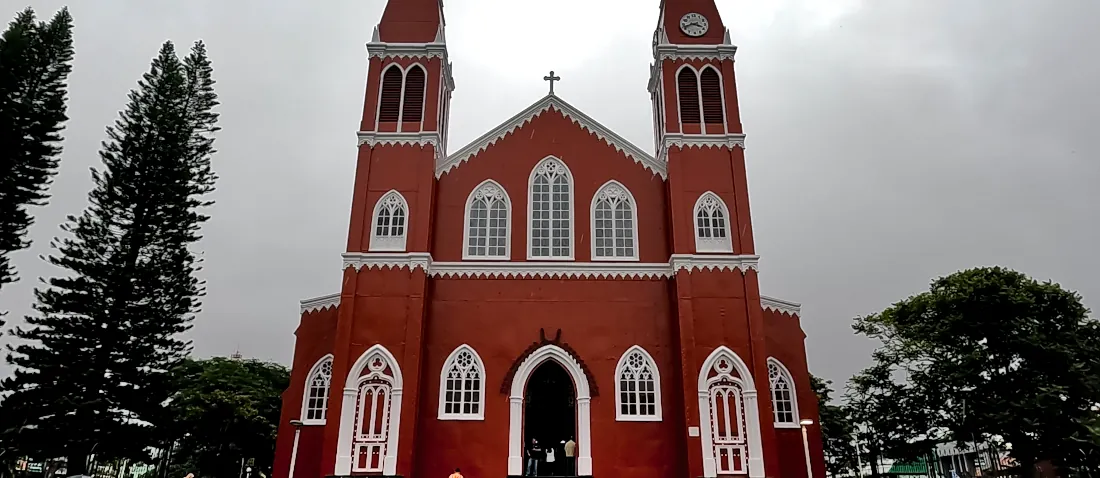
(35, 61)
(92, 375)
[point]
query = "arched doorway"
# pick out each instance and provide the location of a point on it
(549, 415)
(552, 356)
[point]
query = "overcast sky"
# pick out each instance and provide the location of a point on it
(888, 142)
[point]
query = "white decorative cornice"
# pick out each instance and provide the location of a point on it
(694, 52)
(380, 49)
(781, 306)
(387, 260)
(717, 262)
(550, 270)
(548, 103)
(534, 269)
(320, 303)
(422, 139)
(702, 141)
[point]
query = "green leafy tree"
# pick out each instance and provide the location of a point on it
(225, 410)
(837, 430)
(35, 61)
(986, 354)
(91, 370)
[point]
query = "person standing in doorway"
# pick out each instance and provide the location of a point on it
(570, 457)
(534, 452)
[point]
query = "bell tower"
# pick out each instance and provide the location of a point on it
(697, 130)
(401, 138)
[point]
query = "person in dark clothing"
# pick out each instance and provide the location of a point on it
(533, 452)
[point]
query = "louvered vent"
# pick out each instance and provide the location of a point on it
(688, 88)
(390, 106)
(414, 95)
(712, 96)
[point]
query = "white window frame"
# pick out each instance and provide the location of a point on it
(480, 366)
(785, 375)
(313, 372)
(703, 245)
(572, 211)
(615, 190)
(485, 188)
(648, 362)
(389, 243)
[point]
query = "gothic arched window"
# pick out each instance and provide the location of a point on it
(687, 89)
(614, 223)
(412, 107)
(389, 103)
(550, 213)
(711, 93)
(315, 400)
(390, 223)
(784, 400)
(487, 222)
(637, 387)
(462, 386)
(712, 228)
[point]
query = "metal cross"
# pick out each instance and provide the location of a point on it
(551, 79)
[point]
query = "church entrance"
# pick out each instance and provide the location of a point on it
(549, 416)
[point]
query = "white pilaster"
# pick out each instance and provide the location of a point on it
(584, 436)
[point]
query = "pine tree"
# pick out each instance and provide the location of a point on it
(35, 61)
(92, 377)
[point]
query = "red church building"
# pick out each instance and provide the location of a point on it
(550, 281)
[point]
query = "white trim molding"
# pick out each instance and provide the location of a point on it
(475, 364)
(701, 141)
(781, 306)
(785, 375)
(551, 269)
(320, 303)
(662, 50)
(552, 103)
(649, 363)
(724, 360)
(515, 408)
(380, 49)
(347, 430)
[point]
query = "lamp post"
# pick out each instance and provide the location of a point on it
(297, 424)
(805, 422)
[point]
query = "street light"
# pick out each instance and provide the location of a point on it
(297, 424)
(805, 422)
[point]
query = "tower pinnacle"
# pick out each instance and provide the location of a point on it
(411, 21)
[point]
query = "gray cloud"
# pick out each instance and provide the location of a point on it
(889, 142)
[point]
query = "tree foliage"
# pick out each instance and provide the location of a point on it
(35, 61)
(986, 354)
(225, 410)
(91, 371)
(837, 430)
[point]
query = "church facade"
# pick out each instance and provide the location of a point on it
(550, 295)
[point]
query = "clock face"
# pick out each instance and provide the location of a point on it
(693, 24)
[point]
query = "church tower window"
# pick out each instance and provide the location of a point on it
(784, 405)
(412, 109)
(712, 232)
(487, 222)
(711, 92)
(389, 105)
(687, 87)
(637, 387)
(550, 218)
(390, 223)
(315, 402)
(614, 224)
(462, 386)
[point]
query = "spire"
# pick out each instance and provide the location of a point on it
(707, 30)
(411, 21)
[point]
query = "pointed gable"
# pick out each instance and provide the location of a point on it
(547, 104)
